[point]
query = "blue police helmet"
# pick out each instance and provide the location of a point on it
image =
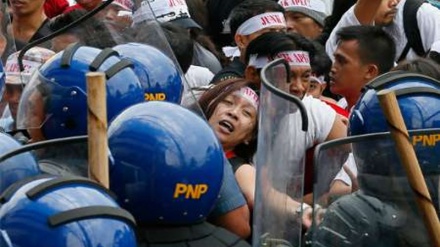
(55, 100)
(420, 107)
(49, 211)
(159, 76)
(168, 164)
(17, 167)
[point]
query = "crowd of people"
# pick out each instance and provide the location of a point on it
(202, 150)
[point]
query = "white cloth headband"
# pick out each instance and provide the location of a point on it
(315, 5)
(248, 94)
(258, 22)
(318, 79)
(294, 58)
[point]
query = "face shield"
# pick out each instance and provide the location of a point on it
(379, 207)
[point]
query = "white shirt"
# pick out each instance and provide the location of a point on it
(195, 76)
(342, 103)
(428, 21)
(292, 143)
(6, 120)
(351, 165)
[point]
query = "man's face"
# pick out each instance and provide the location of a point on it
(299, 80)
(386, 13)
(117, 17)
(26, 7)
(13, 94)
(302, 24)
(347, 76)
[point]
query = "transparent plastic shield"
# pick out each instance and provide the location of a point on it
(381, 210)
(107, 28)
(41, 104)
(280, 170)
(7, 47)
(61, 157)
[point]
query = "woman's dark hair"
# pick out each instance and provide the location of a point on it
(210, 100)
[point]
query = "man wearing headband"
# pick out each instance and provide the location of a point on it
(16, 80)
(324, 122)
(248, 20)
(304, 17)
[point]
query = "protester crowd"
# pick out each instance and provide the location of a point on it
(194, 131)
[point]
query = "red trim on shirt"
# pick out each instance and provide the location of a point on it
(230, 154)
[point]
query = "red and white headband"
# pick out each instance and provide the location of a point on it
(294, 58)
(258, 22)
(250, 95)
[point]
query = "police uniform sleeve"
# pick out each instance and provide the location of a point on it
(230, 196)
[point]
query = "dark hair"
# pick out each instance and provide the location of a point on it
(180, 42)
(375, 45)
(249, 9)
(92, 32)
(434, 56)
(209, 101)
(420, 65)
(321, 62)
(198, 12)
(339, 9)
(270, 44)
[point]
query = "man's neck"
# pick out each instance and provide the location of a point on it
(24, 27)
(351, 100)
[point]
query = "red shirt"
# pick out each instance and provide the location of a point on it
(53, 8)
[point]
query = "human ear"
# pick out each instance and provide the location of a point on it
(372, 72)
(251, 74)
(240, 41)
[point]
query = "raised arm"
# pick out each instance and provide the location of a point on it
(365, 10)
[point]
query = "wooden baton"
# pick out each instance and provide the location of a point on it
(97, 128)
(405, 150)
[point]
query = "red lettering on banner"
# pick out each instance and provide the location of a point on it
(301, 2)
(15, 68)
(301, 57)
(173, 3)
(271, 19)
(284, 3)
(286, 57)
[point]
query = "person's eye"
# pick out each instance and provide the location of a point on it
(247, 113)
(227, 102)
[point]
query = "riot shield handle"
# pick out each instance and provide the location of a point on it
(276, 91)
